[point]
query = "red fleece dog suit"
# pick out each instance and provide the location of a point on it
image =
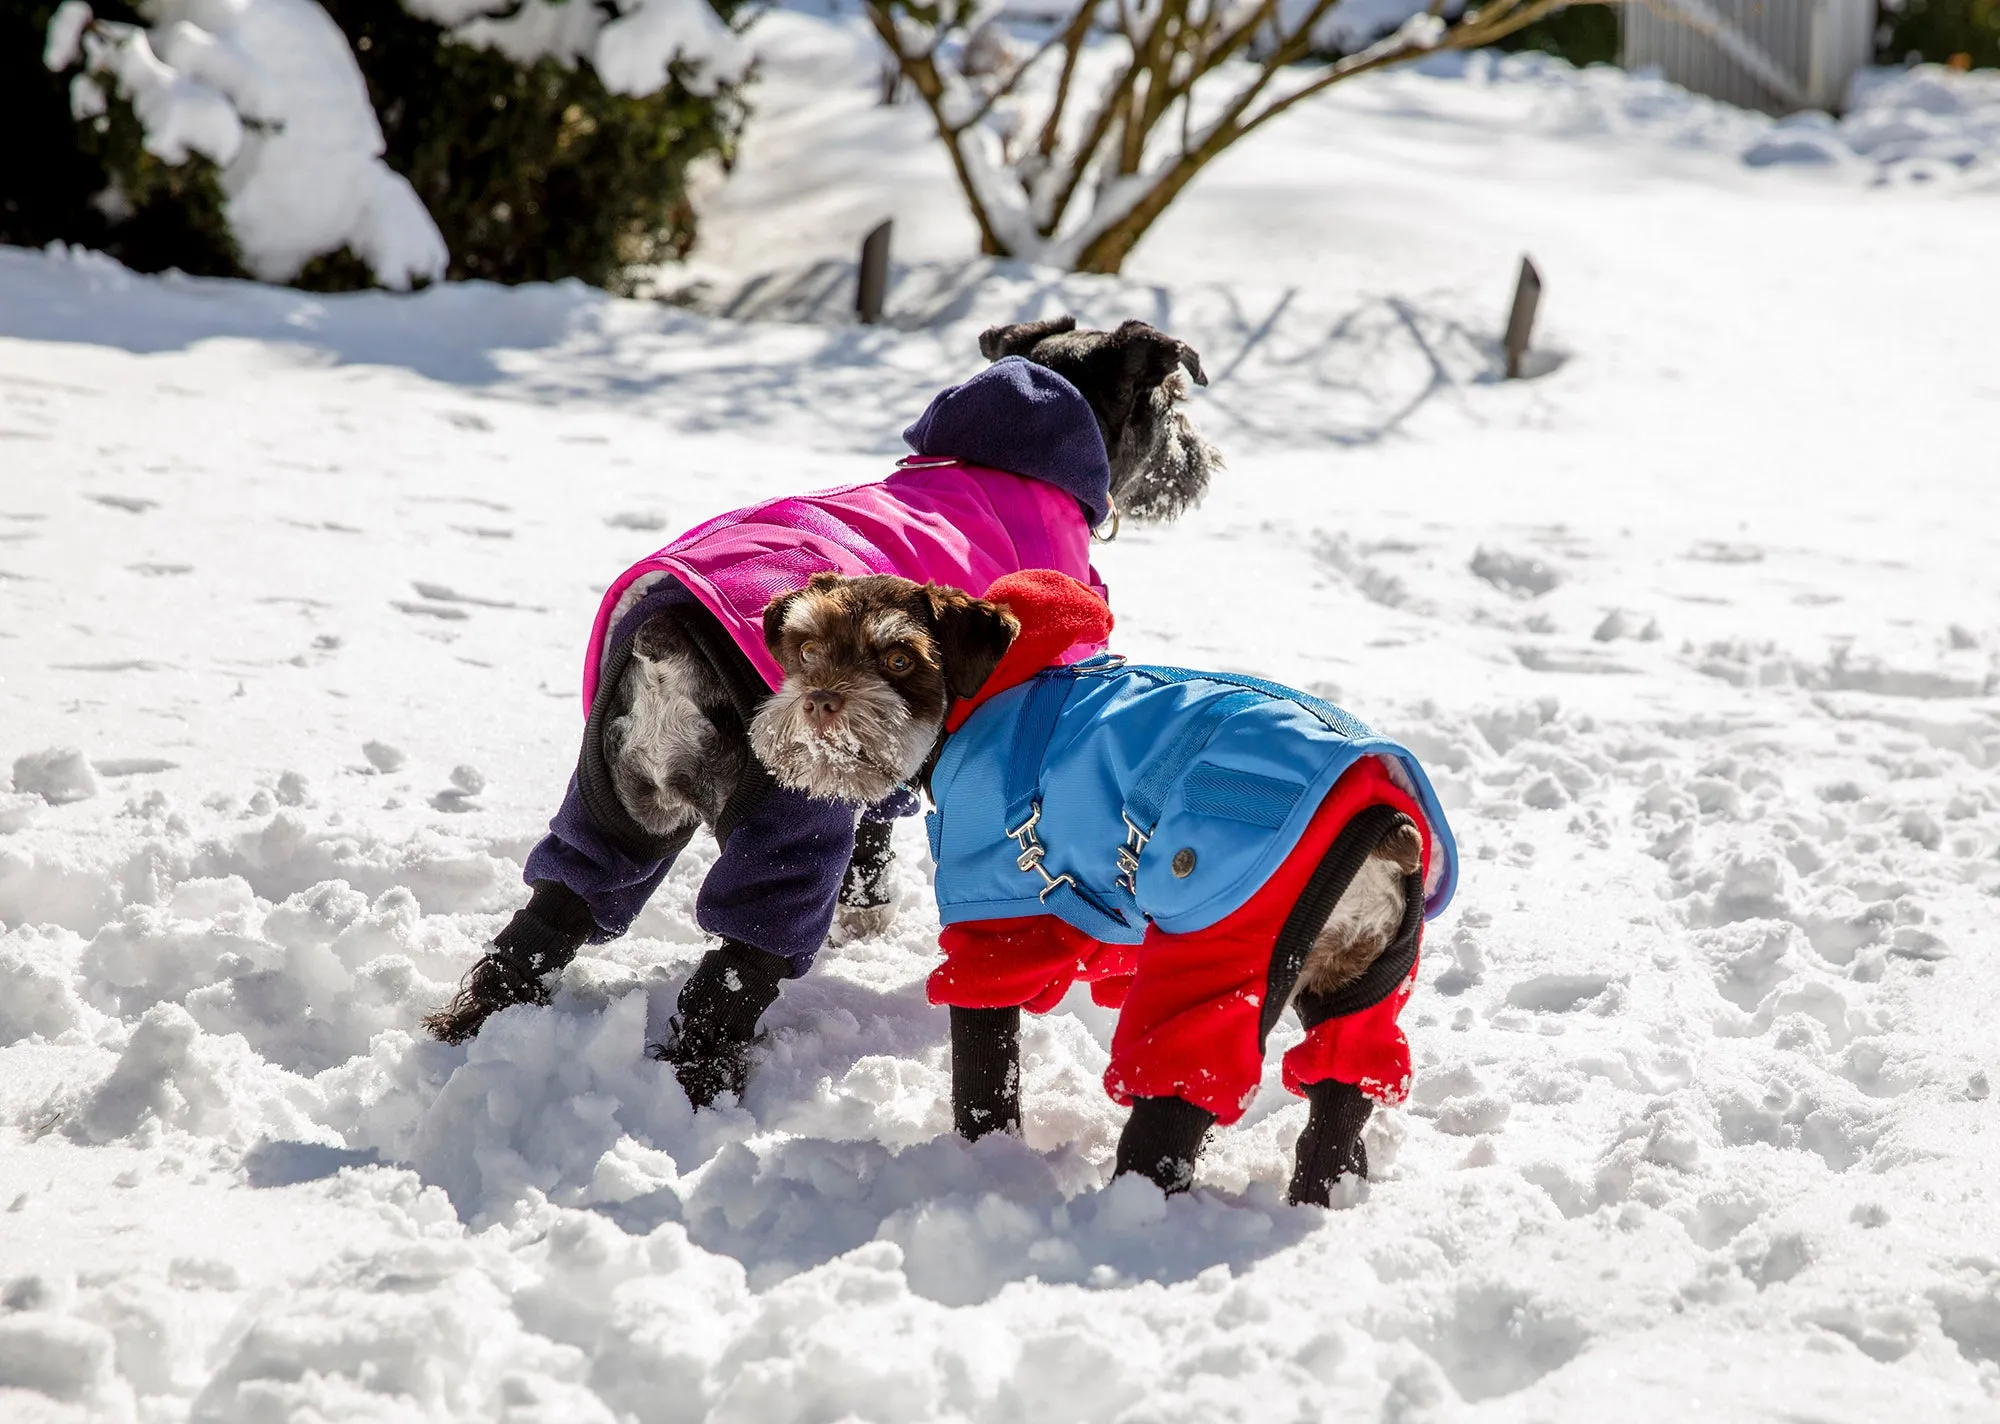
(1192, 1020)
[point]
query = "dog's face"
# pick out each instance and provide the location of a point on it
(1134, 378)
(870, 667)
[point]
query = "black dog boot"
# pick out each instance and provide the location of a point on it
(1162, 1140)
(1331, 1145)
(717, 1020)
(985, 1072)
(540, 940)
(864, 907)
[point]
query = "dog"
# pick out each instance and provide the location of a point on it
(1066, 430)
(1204, 849)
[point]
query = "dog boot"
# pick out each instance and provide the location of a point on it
(540, 940)
(865, 907)
(717, 1020)
(985, 1072)
(1331, 1145)
(1162, 1139)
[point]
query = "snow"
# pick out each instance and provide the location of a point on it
(634, 45)
(292, 594)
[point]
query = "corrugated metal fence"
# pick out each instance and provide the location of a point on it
(1775, 55)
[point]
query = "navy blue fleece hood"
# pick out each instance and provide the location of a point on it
(1024, 419)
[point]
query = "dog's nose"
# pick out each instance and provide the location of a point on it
(822, 706)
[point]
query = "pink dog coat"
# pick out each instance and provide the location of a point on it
(933, 521)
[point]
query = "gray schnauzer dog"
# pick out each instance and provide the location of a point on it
(667, 747)
(876, 691)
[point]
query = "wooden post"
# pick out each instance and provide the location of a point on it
(873, 287)
(1521, 321)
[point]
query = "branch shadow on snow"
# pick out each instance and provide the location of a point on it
(781, 350)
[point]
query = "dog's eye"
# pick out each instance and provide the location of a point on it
(898, 662)
(809, 648)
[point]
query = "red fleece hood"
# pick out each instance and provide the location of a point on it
(1056, 613)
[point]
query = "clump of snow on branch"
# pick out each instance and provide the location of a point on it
(1071, 127)
(634, 50)
(1354, 24)
(268, 91)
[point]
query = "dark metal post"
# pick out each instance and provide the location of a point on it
(1521, 321)
(873, 288)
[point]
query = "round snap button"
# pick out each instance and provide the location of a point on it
(1184, 862)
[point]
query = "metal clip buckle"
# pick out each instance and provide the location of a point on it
(1033, 852)
(1129, 853)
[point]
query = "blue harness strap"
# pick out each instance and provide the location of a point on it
(1023, 789)
(1146, 800)
(1031, 744)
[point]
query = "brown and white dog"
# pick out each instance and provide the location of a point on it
(874, 668)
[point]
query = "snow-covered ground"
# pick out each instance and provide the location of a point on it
(1697, 631)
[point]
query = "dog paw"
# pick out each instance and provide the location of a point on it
(853, 922)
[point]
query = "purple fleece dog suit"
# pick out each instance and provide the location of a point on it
(1010, 473)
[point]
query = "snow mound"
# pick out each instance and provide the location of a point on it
(1914, 125)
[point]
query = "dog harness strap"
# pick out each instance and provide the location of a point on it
(1146, 800)
(1031, 744)
(1023, 789)
(1338, 718)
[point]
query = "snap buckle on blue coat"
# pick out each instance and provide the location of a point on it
(1128, 856)
(1033, 852)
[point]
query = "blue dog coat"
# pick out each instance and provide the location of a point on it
(1116, 795)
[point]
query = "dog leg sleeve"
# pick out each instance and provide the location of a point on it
(717, 1020)
(1162, 1140)
(540, 940)
(1331, 1146)
(985, 1072)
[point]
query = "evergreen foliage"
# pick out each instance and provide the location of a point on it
(1943, 30)
(537, 172)
(531, 172)
(91, 182)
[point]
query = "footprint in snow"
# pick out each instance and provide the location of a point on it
(1717, 551)
(645, 521)
(130, 503)
(1521, 575)
(442, 593)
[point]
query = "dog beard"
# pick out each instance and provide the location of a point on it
(872, 747)
(1169, 474)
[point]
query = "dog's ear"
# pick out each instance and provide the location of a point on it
(1021, 337)
(774, 618)
(972, 636)
(1148, 355)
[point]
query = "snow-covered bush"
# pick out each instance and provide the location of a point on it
(356, 142)
(267, 91)
(56, 175)
(548, 153)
